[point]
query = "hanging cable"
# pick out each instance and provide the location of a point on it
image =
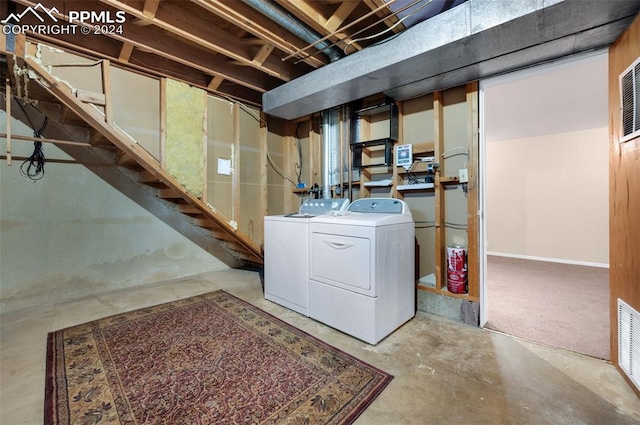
(299, 163)
(33, 167)
(355, 40)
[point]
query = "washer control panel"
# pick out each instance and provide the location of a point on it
(378, 205)
(313, 207)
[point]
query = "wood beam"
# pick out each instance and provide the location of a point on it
(254, 23)
(150, 7)
(263, 54)
(388, 20)
(194, 41)
(215, 82)
(170, 17)
(125, 52)
(340, 15)
(43, 140)
(154, 62)
(315, 19)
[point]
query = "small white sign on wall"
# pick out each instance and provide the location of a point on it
(224, 166)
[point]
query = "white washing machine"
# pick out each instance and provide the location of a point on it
(361, 274)
(286, 253)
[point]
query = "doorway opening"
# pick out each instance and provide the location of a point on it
(545, 202)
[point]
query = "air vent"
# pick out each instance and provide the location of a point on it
(629, 341)
(630, 98)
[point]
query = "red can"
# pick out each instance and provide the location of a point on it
(457, 257)
(457, 282)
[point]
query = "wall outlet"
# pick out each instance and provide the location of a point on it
(463, 175)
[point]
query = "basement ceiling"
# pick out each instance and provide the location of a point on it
(297, 57)
(238, 49)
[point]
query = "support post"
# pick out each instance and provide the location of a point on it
(8, 110)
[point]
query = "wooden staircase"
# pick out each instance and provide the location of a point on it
(127, 154)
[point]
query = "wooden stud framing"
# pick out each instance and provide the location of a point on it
(235, 178)
(395, 193)
(473, 261)
(264, 133)
(263, 54)
(91, 97)
(439, 191)
(163, 123)
(215, 82)
(125, 52)
(205, 145)
(315, 156)
(7, 98)
(290, 199)
(106, 87)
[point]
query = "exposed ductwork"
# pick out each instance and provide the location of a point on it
(282, 18)
(475, 40)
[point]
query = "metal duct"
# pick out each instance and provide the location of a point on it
(282, 18)
(477, 39)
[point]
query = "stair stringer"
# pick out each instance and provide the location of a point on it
(102, 163)
(241, 245)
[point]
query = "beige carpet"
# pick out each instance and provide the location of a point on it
(561, 305)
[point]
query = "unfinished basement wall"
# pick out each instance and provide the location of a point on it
(220, 119)
(277, 186)
(547, 197)
(415, 113)
(185, 135)
(250, 219)
(135, 115)
(71, 234)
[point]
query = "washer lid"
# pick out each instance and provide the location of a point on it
(379, 206)
(362, 219)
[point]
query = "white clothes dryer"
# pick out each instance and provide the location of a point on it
(361, 275)
(286, 253)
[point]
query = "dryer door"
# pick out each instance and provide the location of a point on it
(342, 260)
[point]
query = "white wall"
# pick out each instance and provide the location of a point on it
(547, 196)
(547, 161)
(70, 234)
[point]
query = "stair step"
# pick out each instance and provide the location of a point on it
(222, 235)
(206, 223)
(189, 209)
(150, 179)
(125, 160)
(169, 194)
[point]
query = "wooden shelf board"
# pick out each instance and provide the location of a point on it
(449, 180)
(422, 148)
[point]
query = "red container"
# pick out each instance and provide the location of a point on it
(457, 258)
(457, 282)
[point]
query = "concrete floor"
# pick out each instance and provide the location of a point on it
(445, 373)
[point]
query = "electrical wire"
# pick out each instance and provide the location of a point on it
(33, 167)
(455, 225)
(453, 149)
(411, 177)
(391, 27)
(269, 158)
(298, 164)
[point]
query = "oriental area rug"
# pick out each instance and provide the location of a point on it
(209, 359)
